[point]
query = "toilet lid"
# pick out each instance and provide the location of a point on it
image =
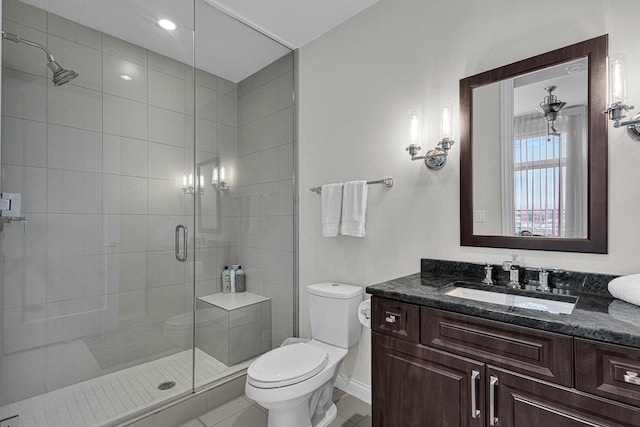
(287, 365)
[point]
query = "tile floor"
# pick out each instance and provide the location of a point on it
(242, 412)
(102, 400)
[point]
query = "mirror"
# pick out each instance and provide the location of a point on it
(534, 152)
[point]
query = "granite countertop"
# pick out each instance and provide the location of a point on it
(596, 316)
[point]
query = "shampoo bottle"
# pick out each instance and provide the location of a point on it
(226, 280)
(240, 280)
(232, 278)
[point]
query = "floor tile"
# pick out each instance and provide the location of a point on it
(365, 422)
(225, 411)
(193, 423)
(249, 417)
(353, 409)
(341, 422)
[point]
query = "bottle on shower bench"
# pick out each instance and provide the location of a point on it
(240, 280)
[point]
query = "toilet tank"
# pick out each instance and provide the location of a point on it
(333, 313)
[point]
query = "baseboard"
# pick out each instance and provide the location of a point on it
(354, 387)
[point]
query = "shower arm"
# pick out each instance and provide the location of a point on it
(17, 39)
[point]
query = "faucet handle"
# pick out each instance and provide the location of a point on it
(543, 278)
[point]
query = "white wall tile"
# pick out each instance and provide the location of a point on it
(227, 87)
(128, 233)
(268, 98)
(167, 162)
(16, 57)
(268, 131)
(285, 91)
(167, 65)
(74, 277)
(285, 197)
(227, 110)
(24, 282)
(163, 269)
(285, 64)
(75, 106)
(268, 165)
(74, 149)
(24, 142)
(249, 84)
(124, 194)
(285, 233)
(126, 272)
(114, 68)
(74, 234)
(285, 161)
(124, 117)
(268, 264)
(22, 13)
(248, 108)
(285, 126)
(162, 231)
(205, 79)
(74, 192)
(85, 61)
(71, 319)
(16, 244)
(31, 183)
(24, 328)
(206, 136)
(268, 232)
(166, 197)
(122, 49)
(166, 126)
(166, 91)
(227, 140)
(73, 32)
(124, 156)
(24, 96)
(206, 103)
(165, 302)
(268, 73)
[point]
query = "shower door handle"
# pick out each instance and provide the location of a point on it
(185, 234)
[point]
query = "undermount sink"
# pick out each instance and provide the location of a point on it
(541, 303)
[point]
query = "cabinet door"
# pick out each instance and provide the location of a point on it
(519, 401)
(415, 386)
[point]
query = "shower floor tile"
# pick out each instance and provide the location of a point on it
(106, 399)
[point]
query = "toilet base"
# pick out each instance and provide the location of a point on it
(299, 416)
(328, 417)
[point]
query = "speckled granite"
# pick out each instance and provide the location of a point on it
(562, 280)
(596, 316)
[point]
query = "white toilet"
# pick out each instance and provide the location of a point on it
(295, 382)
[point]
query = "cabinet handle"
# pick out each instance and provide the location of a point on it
(632, 378)
(475, 377)
(390, 318)
(493, 420)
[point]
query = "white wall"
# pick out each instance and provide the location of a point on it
(357, 84)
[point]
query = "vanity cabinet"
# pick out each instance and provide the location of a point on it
(463, 371)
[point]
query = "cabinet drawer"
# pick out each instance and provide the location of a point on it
(395, 318)
(608, 370)
(532, 352)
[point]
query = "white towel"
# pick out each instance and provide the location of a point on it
(626, 288)
(331, 209)
(354, 209)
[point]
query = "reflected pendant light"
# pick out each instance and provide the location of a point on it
(550, 107)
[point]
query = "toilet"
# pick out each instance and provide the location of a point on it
(295, 382)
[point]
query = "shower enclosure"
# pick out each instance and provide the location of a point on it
(128, 188)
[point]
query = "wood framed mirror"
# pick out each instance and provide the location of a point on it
(533, 152)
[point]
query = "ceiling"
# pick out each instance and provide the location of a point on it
(224, 45)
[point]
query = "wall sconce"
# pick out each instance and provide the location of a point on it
(217, 180)
(437, 157)
(189, 188)
(618, 106)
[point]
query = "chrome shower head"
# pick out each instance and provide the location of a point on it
(60, 75)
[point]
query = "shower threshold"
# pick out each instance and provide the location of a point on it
(105, 400)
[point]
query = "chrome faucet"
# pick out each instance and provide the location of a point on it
(543, 278)
(487, 275)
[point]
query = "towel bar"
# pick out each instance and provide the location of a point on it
(388, 182)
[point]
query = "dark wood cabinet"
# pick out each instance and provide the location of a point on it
(415, 386)
(469, 372)
(519, 401)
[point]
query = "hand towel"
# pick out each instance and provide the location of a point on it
(354, 209)
(626, 288)
(331, 209)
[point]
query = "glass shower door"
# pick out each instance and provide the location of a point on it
(96, 314)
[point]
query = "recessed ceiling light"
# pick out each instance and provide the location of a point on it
(575, 68)
(167, 24)
(126, 77)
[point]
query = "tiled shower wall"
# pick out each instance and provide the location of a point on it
(99, 163)
(265, 188)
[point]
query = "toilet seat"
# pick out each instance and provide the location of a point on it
(287, 365)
